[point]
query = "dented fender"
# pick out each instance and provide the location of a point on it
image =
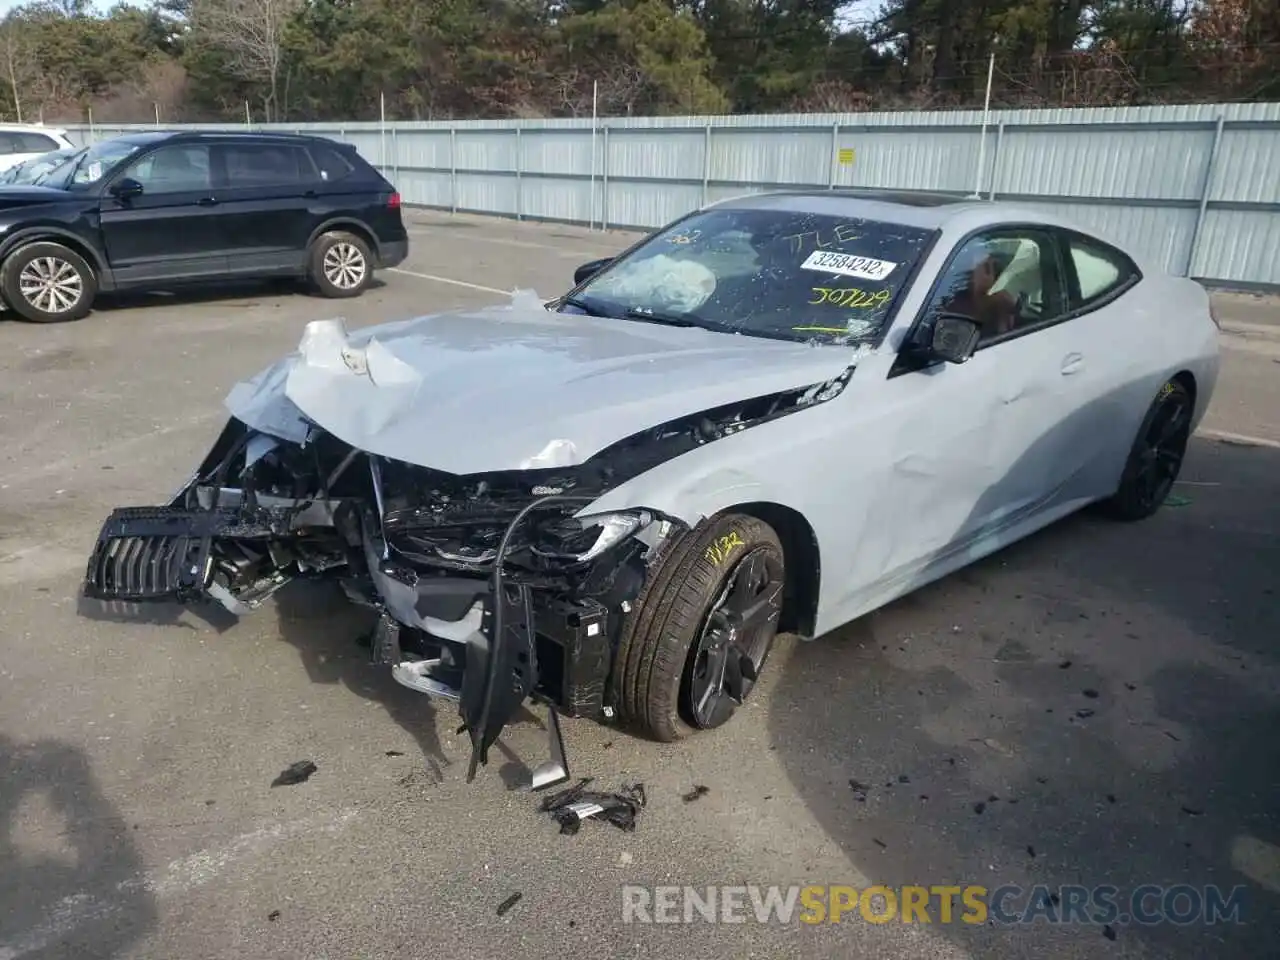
(544, 390)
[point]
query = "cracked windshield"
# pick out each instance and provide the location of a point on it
(768, 273)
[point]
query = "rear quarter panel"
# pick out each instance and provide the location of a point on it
(357, 206)
(358, 199)
(1155, 330)
(1183, 335)
(365, 193)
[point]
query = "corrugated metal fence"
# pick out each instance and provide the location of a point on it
(1196, 187)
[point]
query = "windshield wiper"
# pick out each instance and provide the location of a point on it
(635, 313)
(668, 319)
(582, 305)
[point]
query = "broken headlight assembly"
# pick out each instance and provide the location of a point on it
(583, 539)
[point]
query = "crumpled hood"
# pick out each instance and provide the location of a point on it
(513, 387)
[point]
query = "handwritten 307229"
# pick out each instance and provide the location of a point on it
(853, 297)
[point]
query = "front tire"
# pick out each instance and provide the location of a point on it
(340, 265)
(1155, 459)
(702, 629)
(46, 282)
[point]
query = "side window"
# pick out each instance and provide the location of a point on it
(9, 143)
(264, 165)
(330, 162)
(1100, 270)
(1004, 280)
(176, 169)
(36, 143)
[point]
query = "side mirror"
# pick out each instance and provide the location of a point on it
(126, 189)
(589, 270)
(954, 338)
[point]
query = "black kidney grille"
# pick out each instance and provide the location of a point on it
(144, 568)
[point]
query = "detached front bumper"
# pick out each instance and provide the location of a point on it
(451, 637)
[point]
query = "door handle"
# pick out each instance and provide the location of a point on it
(207, 202)
(1072, 363)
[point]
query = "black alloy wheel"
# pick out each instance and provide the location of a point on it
(735, 640)
(1157, 454)
(701, 628)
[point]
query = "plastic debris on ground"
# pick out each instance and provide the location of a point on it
(298, 772)
(569, 807)
(1173, 500)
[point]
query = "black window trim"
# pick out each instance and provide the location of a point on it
(1065, 236)
(113, 175)
(333, 147)
(902, 365)
(127, 163)
(219, 152)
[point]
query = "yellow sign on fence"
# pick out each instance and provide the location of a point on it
(846, 156)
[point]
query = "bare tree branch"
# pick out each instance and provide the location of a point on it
(18, 60)
(251, 33)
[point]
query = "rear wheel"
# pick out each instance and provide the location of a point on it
(1156, 457)
(48, 283)
(340, 265)
(702, 629)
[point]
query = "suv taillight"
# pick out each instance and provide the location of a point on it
(393, 202)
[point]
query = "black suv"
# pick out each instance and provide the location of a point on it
(162, 209)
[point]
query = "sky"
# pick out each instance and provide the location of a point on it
(102, 6)
(859, 11)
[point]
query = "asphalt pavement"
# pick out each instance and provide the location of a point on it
(1096, 705)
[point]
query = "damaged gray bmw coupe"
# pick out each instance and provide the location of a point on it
(778, 413)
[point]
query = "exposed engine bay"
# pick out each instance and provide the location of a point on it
(490, 589)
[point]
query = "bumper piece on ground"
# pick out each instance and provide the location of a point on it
(153, 554)
(488, 643)
(555, 769)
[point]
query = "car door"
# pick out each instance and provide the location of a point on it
(172, 230)
(966, 451)
(269, 195)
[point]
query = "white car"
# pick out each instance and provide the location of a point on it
(20, 142)
(779, 412)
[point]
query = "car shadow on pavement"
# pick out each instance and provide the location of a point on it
(247, 290)
(158, 614)
(329, 633)
(213, 292)
(1096, 704)
(326, 629)
(72, 882)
